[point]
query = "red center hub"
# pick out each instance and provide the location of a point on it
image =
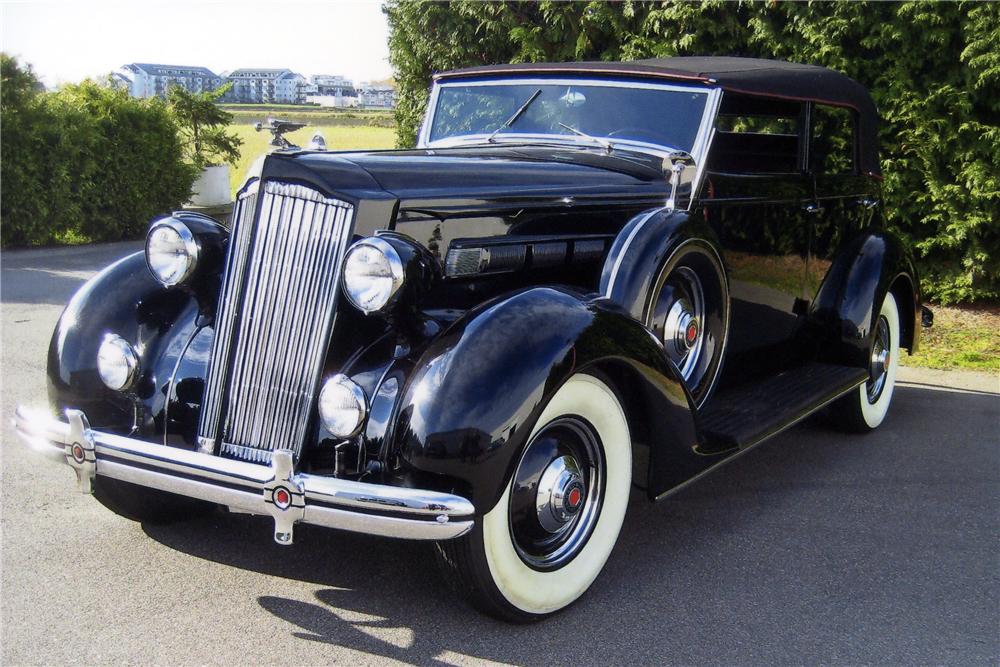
(282, 498)
(691, 334)
(574, 497)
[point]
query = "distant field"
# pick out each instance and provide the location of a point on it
(252, 113)
(338, 138)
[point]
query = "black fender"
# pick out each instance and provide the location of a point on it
(639, 261)
(641, 249)
(476, 392)
(126, 300)
(863, 272)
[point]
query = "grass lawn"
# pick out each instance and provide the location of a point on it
(338, 138)
(966, 338)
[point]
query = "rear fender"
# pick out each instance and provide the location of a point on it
(641, 249)
(476, 392)
(853, 289)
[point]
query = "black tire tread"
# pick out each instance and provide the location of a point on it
(462, 562)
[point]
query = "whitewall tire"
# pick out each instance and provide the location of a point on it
(865, 408)
(522, 567)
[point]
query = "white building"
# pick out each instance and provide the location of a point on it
(334, 101)
(152, 80)
(268, 86)
(376, 95)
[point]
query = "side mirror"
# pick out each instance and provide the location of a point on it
(674, 164)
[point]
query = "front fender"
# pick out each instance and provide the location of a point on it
(126, 300)
(477, 391)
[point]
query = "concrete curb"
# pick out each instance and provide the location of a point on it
(966, 380)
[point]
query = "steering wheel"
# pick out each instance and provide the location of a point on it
(641, 134)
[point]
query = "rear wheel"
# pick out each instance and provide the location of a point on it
(146, 505)
(864, 409)
(548, 537)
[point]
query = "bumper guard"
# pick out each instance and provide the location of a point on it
(275, 490)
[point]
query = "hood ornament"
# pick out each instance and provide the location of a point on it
(278, 128)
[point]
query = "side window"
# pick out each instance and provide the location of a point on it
(756, 136)
(831, 151)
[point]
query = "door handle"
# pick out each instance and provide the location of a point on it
(868, 202)
(812, 207)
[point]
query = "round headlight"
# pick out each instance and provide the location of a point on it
(342, 406)
(373, 273)
(117, 363)
(171, 251)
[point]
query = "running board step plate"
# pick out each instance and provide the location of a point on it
(743, 416)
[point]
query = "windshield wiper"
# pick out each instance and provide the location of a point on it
(608, 146)
(515, 116)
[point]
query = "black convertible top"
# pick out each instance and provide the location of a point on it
(749, 76)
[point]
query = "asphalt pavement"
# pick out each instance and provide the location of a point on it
(815, 548)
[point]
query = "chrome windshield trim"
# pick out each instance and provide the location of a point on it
(698, 152)
(424, 136)
(567, 140)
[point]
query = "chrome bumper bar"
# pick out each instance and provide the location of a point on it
(275, 490)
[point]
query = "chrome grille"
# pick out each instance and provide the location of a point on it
(278, 300)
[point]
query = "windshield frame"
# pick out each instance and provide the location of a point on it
(697, 151)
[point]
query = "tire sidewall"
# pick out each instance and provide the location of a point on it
(534, 592)
(873, 414)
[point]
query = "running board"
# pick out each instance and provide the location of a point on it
(744, 416)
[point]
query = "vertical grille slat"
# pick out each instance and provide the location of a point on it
(276, 312)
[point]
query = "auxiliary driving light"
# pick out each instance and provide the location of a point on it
(342, 406)
(117, 363)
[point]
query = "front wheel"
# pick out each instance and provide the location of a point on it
(548, 537)
(864, 409)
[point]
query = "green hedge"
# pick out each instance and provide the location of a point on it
(933, 69)
(86, 163)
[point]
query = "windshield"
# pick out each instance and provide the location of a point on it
(667, 116)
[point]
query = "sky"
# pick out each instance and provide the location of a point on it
(67, 41)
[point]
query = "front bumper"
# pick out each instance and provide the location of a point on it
(275, 490)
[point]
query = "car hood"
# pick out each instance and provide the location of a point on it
(472, 172)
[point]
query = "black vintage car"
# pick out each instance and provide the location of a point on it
(587, 278)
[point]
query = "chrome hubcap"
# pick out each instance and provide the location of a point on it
(683, 333)
(556, 494)
(560, 494)
(878, 365)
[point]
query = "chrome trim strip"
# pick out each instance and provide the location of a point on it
(624, 250)
(374, 509)
(706, 135)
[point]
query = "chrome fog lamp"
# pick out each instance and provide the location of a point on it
(373, 273)
(171, 251)
(343, 406)
(117, 363)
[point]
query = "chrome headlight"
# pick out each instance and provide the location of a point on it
(171, 251)
(343, 406)
(117, 363)
(373, 273)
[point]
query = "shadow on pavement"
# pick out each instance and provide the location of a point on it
(817, 546)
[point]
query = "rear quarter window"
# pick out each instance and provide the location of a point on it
(831, 149)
